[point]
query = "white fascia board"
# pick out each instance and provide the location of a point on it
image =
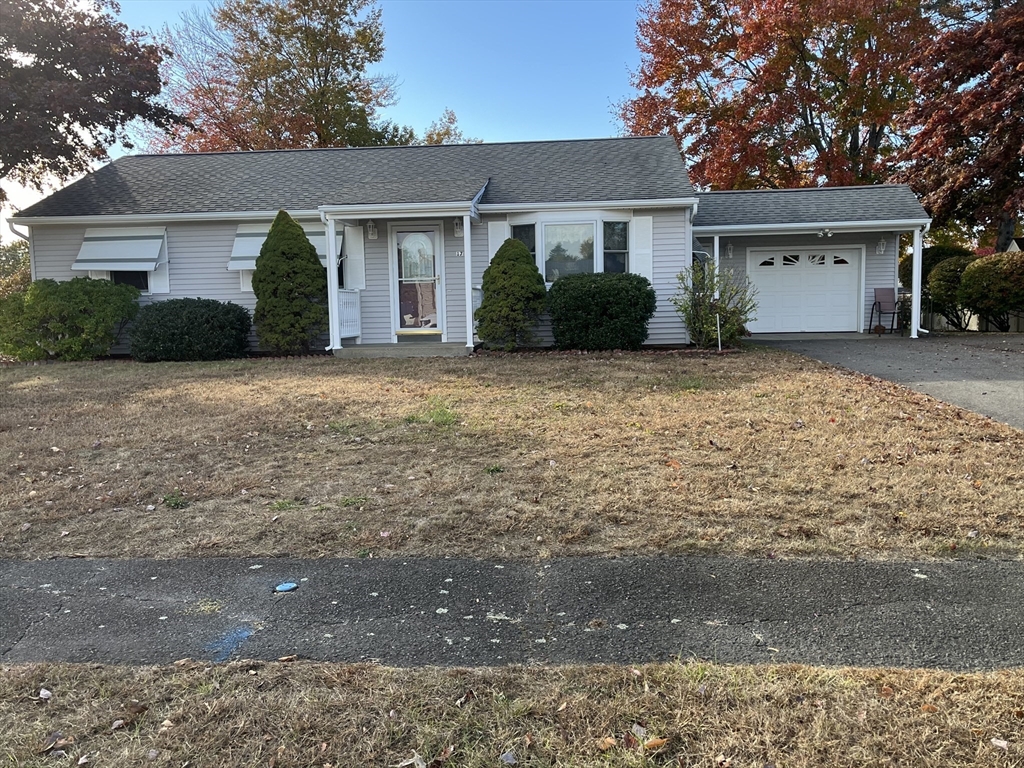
(664, 202)
(160, 218)
(398, 210)
(812, 227)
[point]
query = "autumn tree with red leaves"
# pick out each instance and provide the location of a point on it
(966, 156)
(72, 78)
(777, 93)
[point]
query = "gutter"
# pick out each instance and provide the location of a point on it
(665, 202)
(10, 226)
(812, 226)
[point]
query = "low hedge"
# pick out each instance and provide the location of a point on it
(601, 311)
(190, 329)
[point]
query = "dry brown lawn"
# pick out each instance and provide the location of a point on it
(761, 453)
(681, 715)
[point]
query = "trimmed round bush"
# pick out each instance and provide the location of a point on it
(601, 311)
(930, 257)
(993, 286)
(514, 295)
(190, 329)
(944, 287)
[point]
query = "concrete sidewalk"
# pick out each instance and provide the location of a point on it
(409, 612)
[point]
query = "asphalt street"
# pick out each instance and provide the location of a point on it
(956, 615)
(982, 372)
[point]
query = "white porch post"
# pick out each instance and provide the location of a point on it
(716, 261)
(915, 287)
(467, 254)
(333, 308)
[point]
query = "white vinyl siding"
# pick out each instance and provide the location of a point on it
(375, 299)
(669, 254)
(454, 284)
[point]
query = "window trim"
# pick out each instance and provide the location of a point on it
(596, 217)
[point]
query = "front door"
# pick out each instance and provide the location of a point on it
(416, 251)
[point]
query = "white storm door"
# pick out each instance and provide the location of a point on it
(416, 255)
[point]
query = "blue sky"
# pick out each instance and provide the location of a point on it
(510, 69)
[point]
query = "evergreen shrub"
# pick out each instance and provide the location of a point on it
(601, 311)
(190, 329)
(290, 285)
(77, 319)
(514, 295)
(993, 286)
(944, 288)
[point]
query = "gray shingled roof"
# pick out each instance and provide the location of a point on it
(648, 168)
(881, 202)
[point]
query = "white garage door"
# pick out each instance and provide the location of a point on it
(804, 289)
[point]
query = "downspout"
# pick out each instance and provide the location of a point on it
(10, 226)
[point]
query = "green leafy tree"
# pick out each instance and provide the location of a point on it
(15, 269)
(279, 74)
(992, 287)
(445, 130)
(714, 305)
(291, 289)
(76, 319)
(514, 294)
(72, 78)
(944, 288)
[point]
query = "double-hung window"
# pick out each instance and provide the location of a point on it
(570, 247)
(616, 246)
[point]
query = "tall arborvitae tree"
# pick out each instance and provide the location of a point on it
(290, 285)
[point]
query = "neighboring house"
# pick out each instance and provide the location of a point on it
(1016, 244)
(406, 232)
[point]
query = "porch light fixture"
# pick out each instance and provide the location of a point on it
(880, 248)
(458, 226)
(371, 230)
(824, 233)
(728, 249)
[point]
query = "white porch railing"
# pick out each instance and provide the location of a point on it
(349, 322)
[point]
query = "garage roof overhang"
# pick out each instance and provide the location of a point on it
(812, 228)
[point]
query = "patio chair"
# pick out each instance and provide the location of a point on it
(885, 304)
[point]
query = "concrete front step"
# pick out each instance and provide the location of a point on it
(421, 349)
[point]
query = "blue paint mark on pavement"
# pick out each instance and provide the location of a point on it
(228, 644)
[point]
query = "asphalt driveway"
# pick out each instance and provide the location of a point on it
(983, 373)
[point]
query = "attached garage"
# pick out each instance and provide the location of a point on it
(815, 255)
(806, 289)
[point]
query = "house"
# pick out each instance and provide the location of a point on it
(1016, 244)
(405, 233)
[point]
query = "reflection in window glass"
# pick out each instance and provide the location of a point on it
(527, 235)
(616, 246)
(139, 279)
(569, 250)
